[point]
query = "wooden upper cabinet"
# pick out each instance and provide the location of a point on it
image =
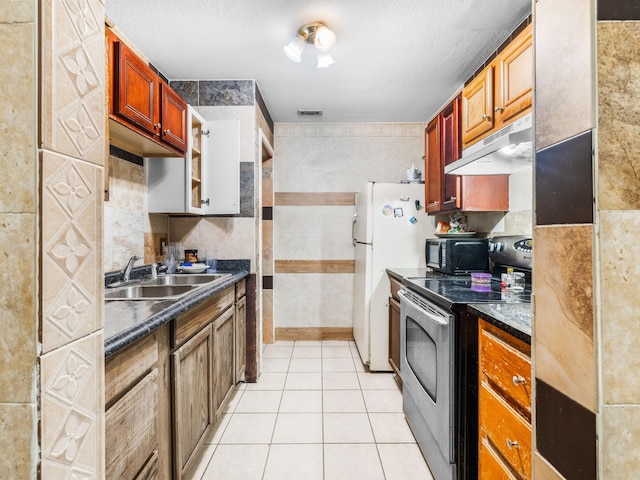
(433, 166)
(174, 117)
(514, 67)
(477, 106)
(450, 152)
(500, 93)
(146, 116)
(446, 193)
(135, 96)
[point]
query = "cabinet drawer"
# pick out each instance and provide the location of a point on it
(125, 368)
(241, 288)
(395, 286)
(507, 367)
(491, 467)
(131, 435)
(192, 321)
(503, 426)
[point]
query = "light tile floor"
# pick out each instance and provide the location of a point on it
(314, 414)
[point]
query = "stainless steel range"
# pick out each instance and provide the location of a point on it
(439, 356)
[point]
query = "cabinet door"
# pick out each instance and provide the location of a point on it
(490, 466)
(173, 114)
(484, 193)
(450, 151)
(193, 414)
(223, 358)
(394, 338)
(241, 339)
(477, 106)
(131, 431)
(135, 92)
(514, 86)
(221, 167)
(433, 166)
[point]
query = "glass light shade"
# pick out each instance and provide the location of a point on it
(324, 60)
(324, 39)
(295, 48)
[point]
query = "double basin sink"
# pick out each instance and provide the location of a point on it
(164, 287)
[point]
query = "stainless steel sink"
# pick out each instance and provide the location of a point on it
(185, 279)
(164, 287)
(149, 292)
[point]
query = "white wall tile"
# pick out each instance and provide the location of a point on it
(313, 300)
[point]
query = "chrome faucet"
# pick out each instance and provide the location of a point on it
(126, 272)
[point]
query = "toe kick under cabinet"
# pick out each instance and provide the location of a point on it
(165, 392)
(504, 440)
(207, 180)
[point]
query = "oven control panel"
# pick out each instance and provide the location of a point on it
(524, 246)
(516, 251)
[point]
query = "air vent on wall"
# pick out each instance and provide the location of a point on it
(310, 113)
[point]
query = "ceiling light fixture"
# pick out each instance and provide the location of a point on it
(316, 34)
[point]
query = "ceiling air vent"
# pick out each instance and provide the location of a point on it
(310, 113)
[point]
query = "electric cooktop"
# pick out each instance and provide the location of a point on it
(451, 290)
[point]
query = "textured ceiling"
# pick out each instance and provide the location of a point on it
(396, 60)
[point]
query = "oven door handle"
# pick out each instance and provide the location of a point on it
(426, 313)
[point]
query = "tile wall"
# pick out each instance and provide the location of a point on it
(19, 387)
(585, 360)
(72, 154)
(317, 168)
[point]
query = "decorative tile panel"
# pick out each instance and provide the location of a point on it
(618, 10)
(618, 115)
(73, 409)
(73, 86)
(564, 310)
(565, 433)
(188, 90)
(564, 188)
(226, 92)
(72, 238)
(564, 76)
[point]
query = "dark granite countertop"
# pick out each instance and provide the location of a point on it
(129, 320)
(513, 318)
(400, 273)
(511, 313)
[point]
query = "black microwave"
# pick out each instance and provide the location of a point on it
(457, 255)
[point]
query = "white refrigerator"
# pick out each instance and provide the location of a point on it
(388, 231)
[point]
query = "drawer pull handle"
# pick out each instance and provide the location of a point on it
(517, 380)
(512, 443)
(486, 117)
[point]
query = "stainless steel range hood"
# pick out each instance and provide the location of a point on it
(507, 151)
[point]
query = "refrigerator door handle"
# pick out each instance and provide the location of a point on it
(353, 228)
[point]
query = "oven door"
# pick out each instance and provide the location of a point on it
(427, 367)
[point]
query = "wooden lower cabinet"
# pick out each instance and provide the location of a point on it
(193, 413)
(394, 330)
(164, 393)
(504, 405)
(493, 468)
(241, 339)
(223, 358)
(137, 438)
